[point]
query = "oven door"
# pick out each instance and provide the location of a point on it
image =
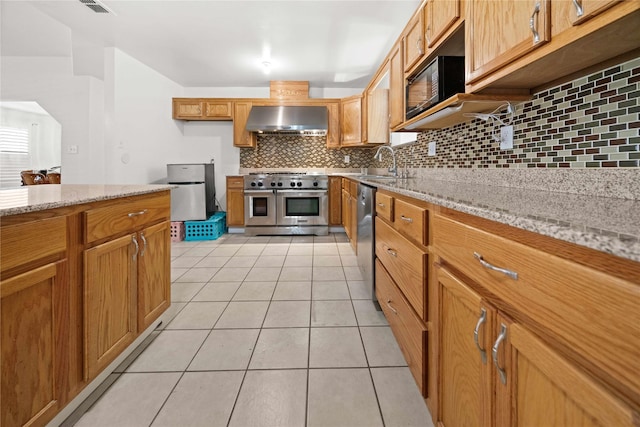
(259, 207)
(302, 207)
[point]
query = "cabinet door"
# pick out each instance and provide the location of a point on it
(586, 9)
(396, 88)
(441, 14)
(154, 273)
(346, 212)
(242, 137)
(187, 109)
(414, 41)
(333, 133)
(335, 200)
(543, 388)
(499, 32)
(378, 116)
(351, 120)
(109, 301)
(218, 110)
(235, 207)
(465, 392)
(32, 306)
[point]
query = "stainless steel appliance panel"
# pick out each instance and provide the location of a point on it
(366, 235)
(259, 208)
(188, 202)
(302, 207)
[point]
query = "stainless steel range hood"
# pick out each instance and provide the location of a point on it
(306, 120)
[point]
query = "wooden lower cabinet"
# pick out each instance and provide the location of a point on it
(495, 371)
(235, 201)
(33, 306)
(110, 306)
(335, 200)
(154, 274)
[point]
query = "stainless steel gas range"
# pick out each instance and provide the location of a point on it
(285, 204)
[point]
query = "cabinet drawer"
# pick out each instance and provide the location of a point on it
(411, 221)
(407, 328)
(405, 262)
(235, 182)
(33, 240)
(590, 314)
(103, 222)
(384, 206)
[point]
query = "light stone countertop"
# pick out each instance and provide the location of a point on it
(33, 198)
(607, 224)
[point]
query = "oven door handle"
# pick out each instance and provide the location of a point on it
(300, 190)
(258, 192)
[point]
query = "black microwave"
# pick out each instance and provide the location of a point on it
(440, 79)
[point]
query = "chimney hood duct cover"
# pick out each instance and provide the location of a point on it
(306, 120)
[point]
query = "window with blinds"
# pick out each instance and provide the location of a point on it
(14, 155)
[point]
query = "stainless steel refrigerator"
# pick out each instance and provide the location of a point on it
(195, 197)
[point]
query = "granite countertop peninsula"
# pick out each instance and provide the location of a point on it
(607, 224)
(33, 198)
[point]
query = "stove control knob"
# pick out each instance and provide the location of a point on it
(315, 183)
(279, 184)
(260, 184)
(293, 184)
(253, 184)
(273, 184)
(299, 184)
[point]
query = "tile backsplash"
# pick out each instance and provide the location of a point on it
(591, 122)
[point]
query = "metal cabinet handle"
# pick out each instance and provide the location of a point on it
(418, 42)
(132, 214)
(481, 320)
(392, 252)
(485, 264)
(579, 9)
(144, 244)
(381, 205)
(135, 242)
(426, 34)
(390, 307)
(406, 218)
(494, 352)
(533, 23)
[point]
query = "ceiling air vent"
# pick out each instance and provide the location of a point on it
(96, 6)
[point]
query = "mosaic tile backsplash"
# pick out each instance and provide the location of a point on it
(591, 122)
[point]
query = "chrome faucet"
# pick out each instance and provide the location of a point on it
(378, 157)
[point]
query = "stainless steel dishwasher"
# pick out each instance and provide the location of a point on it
(366, 237)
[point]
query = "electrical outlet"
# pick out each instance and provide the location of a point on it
(347, 159)
(432, 148)
(72, 149)
(506, 138)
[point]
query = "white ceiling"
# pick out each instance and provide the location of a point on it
(214, 43)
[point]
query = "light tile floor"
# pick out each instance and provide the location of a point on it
(263, 331)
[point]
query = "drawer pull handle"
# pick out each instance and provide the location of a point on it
(406, 218)
(579, 9)
(392, 252)
(419, 47)
(494, 352)
(390, 307)
(144, 244)
(481, 320)
(381, 205)
(533, 23)
(135, 242)
(132, 214)
(485, 264)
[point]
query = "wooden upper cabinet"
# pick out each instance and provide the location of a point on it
(333, 133)
(586, 9)
(377, 126)
(218, 110)
(241, 136)
(396, 87)
(499, 32)
(414, 43)
(351, 120)
(202, 109)
(440, 15)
